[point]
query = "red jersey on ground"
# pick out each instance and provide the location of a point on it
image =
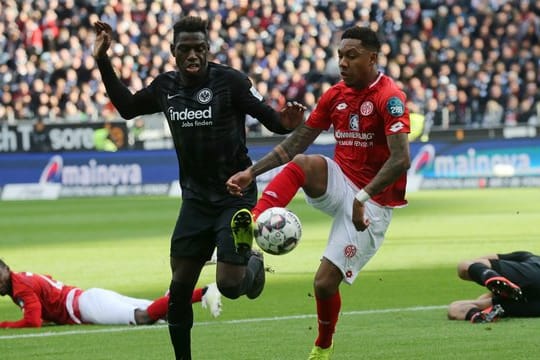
(41, 298)
(362, 119)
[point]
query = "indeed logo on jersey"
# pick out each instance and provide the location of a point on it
(188, 114)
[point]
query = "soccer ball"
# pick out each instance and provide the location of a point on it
(277, 231)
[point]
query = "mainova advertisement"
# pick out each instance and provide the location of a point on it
(489, 163)
(435, 165)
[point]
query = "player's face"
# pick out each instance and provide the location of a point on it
(191, 53)
(356, 63)
(5, 281)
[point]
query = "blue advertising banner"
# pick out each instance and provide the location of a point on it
(490, 163)
(92, 173)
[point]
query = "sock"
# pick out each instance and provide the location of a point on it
(480, 273)
(280, 191)
(158, 309)
(471, 312)
(180, 318)
(327, 316)
(197, 295)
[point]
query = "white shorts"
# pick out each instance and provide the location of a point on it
(106, 307)
(347, 248)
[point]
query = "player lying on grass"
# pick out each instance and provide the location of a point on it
(45, 300)
(513, 281)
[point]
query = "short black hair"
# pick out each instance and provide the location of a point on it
(368, 37)
(190, 24)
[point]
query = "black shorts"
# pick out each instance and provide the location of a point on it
(526, 274)
(201, 227)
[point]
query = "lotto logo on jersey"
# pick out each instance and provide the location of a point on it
(395, 107)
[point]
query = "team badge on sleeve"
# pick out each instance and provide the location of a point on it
(395, 107)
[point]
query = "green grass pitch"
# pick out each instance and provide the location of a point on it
(395, 309)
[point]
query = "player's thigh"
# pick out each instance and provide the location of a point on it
(101, 306)
(349, 249)
(525, 274)
(338, 187)
(193, 235)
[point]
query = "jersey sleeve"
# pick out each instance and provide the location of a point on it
(320, 117)
(128, 105)
(391, 107)
(248, 100)
(28, 300)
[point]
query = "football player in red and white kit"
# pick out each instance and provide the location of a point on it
(46, 300)
(360, 186)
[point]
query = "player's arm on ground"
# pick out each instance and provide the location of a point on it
(31, 308)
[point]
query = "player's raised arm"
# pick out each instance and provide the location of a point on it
(127, 104)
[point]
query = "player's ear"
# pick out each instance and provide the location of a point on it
(373, 58)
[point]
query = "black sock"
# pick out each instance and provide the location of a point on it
(480, 273)
(472, 312)
(180, 318)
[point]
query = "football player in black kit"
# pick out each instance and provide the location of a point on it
(513, 281)
(205, 105)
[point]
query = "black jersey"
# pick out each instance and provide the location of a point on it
(207, 123)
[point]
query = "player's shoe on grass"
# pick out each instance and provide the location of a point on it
(211, 300)
(242, 230)
(318, 353)
(491, 314)
(256, 264)
(501, 286)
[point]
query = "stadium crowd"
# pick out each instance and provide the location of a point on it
(462, 63)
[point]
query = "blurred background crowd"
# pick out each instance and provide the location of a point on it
(468, 64)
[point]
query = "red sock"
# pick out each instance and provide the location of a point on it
(280, 191)
(197, 295)
(327, 316)
(158, 309)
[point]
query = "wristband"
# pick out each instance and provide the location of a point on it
(362, 196)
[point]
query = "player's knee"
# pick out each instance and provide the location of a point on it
(452, 311)
(309, 162)
(463, 270)
(324, 288)
(230, 289)
(301, 160)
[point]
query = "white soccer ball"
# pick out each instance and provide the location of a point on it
(277, 231)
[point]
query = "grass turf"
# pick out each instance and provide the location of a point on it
(395, 309)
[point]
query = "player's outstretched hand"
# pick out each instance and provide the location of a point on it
(292, 115)
(103, 38)
(238, 182)
(359, 220)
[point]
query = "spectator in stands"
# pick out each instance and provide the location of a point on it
(42, 41)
